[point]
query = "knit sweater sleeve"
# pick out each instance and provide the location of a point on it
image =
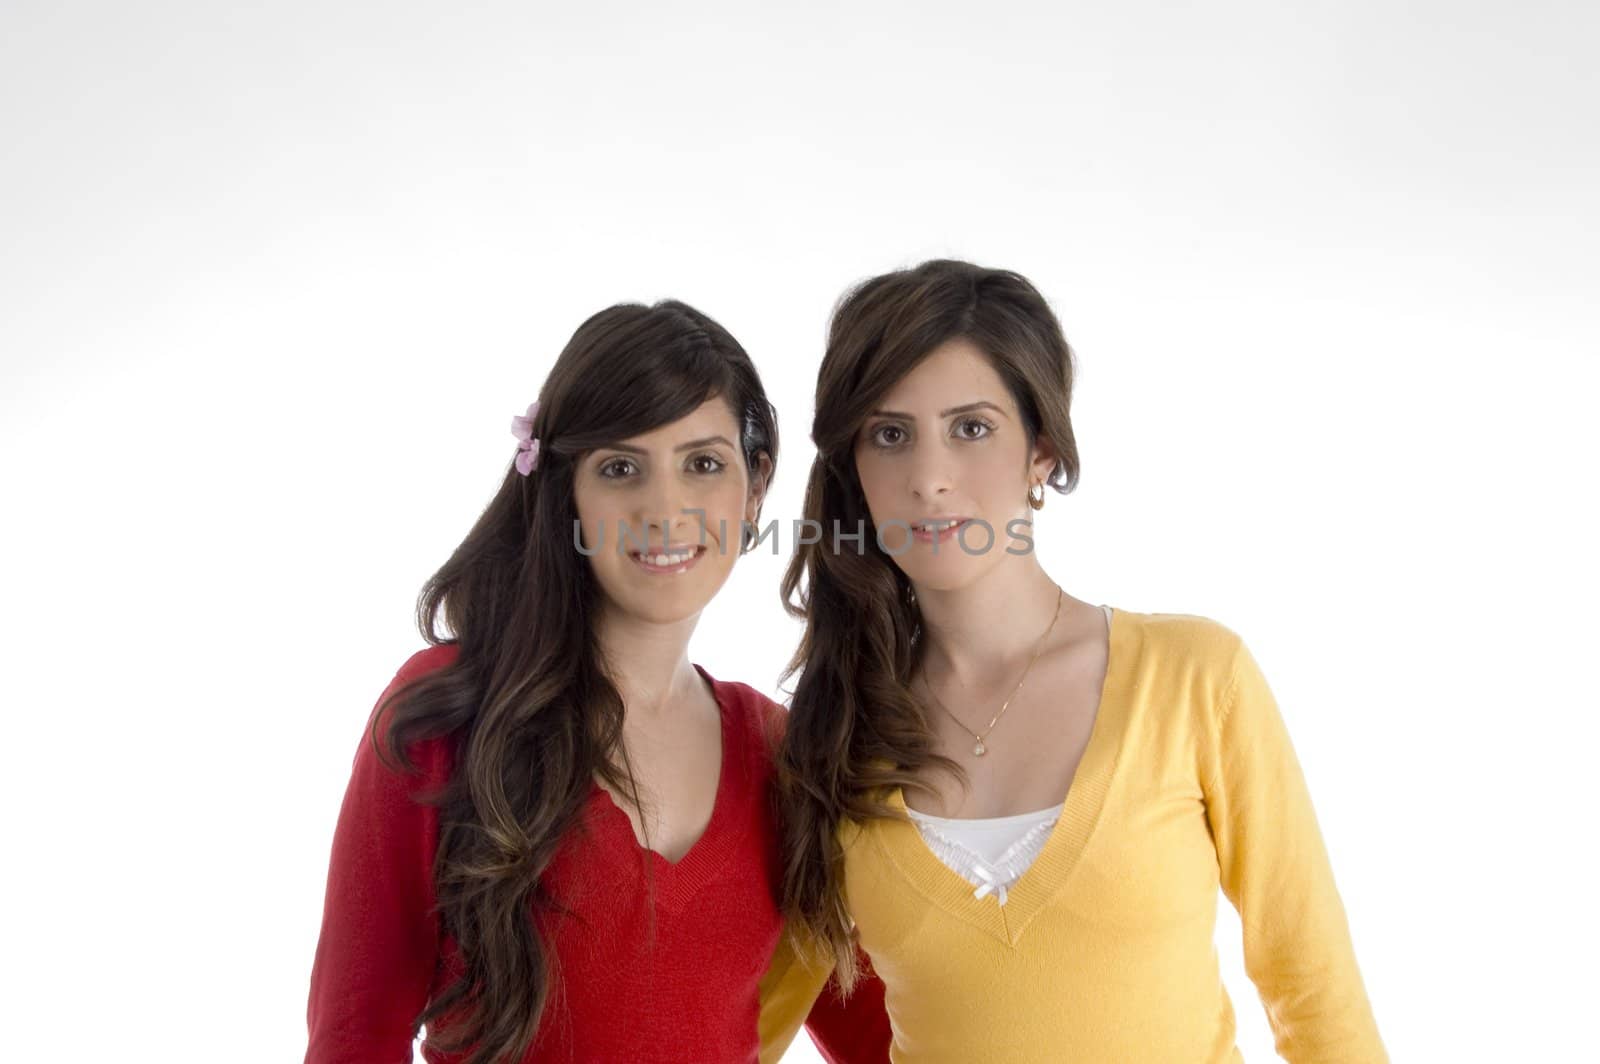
(379, 943)
(853, 1030)
(1275, 870)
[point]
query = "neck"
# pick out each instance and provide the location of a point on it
(990, 627)
(647, 661)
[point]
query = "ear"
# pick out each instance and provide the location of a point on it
(760, 476)
(1043, 461)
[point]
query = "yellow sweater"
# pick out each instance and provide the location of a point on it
(1103, 952)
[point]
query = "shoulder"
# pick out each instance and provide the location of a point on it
(428, 660)
(1186, 637)
(1185, 652)
(431, 756)
(1207, 665)
(1187, 634)
(418, 666)
(762, 718)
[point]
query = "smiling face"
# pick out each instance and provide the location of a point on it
(671, 562)
(947, 444)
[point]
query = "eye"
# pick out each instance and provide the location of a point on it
(888, 436)
(616, 468)
(973, 428)
(706, 464)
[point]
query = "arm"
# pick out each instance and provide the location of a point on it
(378, 947)
(1275, 870)
(795, 991)
(845, 1031)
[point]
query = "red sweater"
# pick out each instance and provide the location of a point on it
(691, 995)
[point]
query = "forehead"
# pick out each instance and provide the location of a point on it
(711, 418)
(955, 372)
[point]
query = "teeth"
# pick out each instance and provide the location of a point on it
(667, 559)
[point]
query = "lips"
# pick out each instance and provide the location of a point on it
(942, 529)
(671, 559)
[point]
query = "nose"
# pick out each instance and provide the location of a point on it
(929, 473)
(661, 516)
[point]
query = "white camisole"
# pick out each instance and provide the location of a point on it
(991, 853)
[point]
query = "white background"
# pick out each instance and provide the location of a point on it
(276, 277)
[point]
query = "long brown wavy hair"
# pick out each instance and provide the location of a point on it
(527, 707)
(855, 730)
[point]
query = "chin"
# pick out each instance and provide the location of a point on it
(937, 574)
(672, 600)
(663, 617)
(661, 609)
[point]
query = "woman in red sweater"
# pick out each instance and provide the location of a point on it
(557, 841)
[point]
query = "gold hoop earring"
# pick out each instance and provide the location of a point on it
(1037, 504)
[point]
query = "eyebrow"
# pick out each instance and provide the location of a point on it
(691, 445)
(965, 408)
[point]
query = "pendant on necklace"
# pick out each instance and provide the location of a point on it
(980, 749)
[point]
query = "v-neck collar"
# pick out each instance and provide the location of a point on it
(676, 882)
(903, 845)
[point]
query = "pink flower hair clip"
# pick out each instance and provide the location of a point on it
(527, 442)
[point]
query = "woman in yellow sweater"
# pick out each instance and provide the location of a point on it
(1023, 804)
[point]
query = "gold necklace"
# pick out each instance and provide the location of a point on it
(978, 748)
